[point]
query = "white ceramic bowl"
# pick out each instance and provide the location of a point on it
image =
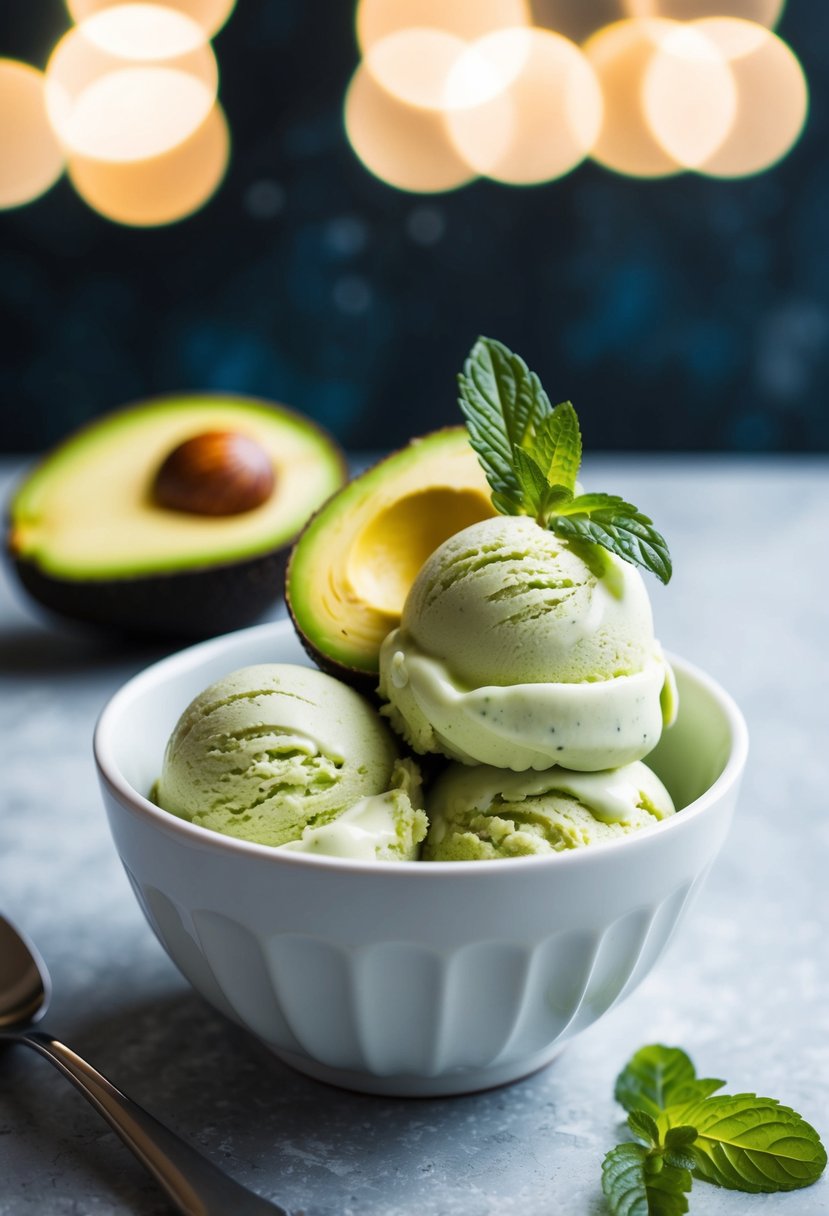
(405, 977)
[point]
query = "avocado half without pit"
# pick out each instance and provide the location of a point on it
(352, 567)
(172, 517)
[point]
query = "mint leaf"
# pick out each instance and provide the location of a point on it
(556, 447)
(609, 521)
(539, 496)
(752, 1144)
(644, 1127)
(678, 1150)
(531, 455)
(532, 483)
(632, 1188)
(696, 1090)
(651, 1077)
(677, 1137)
(503, 403)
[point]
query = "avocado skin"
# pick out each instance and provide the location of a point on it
(187, 604)
(364, 682)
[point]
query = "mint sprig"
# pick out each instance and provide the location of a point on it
(739, 1141)
(503, 403)
(531, 455)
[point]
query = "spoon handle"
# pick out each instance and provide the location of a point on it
(194, 1184)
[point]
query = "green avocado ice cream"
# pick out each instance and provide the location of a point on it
(484, 813)
(281, 754)
(513, 652)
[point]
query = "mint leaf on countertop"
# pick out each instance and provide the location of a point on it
(531, 454)
(738, 1141)
(637, 1182)
(644, 1127)
(752, 1144)
(654, 1076)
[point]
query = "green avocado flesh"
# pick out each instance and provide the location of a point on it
(87, 511)
(352, 567)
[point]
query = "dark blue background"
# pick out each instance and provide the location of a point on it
(687, 313)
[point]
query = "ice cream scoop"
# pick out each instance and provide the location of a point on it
(513, 651)
(483, 813)
(275, 751)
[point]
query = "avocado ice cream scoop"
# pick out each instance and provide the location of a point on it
(484, 813)
(281, 754)
(513, 652)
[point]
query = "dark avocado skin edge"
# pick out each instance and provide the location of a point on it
(187, 605)
(364, 682)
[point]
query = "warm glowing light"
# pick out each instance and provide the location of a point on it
(414, 65)
(689, 96)
(487, 68)
(544, 123)
(31, 159)
(404, 146)
(621, 54)
(211, 15)
(162, 190)
(467, 19)
(143, 32)
(763, 12)
(773, 97)
(130, 83)
(438, 71)
(577, 19)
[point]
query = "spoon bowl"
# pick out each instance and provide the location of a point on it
(25, 987)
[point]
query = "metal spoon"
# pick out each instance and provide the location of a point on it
(192, 1183)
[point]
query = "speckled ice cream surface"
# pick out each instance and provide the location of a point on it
(275, 751)
(481, 813)
(512, 651)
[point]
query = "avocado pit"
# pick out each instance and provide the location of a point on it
(216, 473)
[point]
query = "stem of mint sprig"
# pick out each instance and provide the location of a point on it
(531, 455)
(685, 1129)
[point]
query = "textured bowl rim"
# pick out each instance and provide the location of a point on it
(192, 657)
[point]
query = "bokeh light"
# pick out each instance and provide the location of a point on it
(773, 97)
(438, 71)
(211, 15)
(621, 54)
(763, 12)
(689, 96)
(130, 83)
(31, 159)
(405, 146)
(414, 65)
(544, 123)
(467, 19)
(161, 190)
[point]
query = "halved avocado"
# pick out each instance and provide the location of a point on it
(353, 565)
(171, 517)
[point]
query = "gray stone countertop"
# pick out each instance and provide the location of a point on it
(744, 987)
